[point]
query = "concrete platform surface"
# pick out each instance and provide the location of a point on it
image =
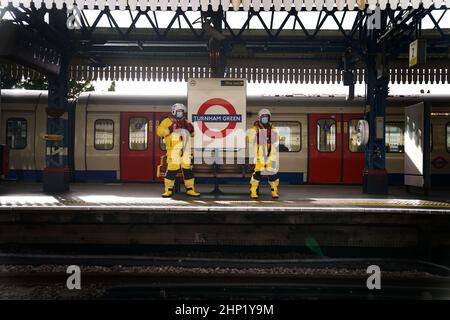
(335, 216)
(15, 195)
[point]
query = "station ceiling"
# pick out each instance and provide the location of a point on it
(270, 53)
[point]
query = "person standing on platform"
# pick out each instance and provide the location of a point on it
(264, 138)
(177, 132)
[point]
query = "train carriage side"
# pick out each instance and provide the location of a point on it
(324, 135)
(23, 123)
(116, 137)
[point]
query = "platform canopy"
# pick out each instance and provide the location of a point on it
(246, 5)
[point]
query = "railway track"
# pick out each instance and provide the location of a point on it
(109, 260)
(131, 277)
(167, 285)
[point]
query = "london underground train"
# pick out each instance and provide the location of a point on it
(112, 137)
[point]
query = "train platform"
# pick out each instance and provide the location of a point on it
(124, 213)
(20, 195)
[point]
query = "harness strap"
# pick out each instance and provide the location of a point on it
(268, 136)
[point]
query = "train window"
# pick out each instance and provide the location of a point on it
(16, 133)
(448, 136)
(394, 137)
(138, 133)
(290, 135)
(352, 136)
(103, 134)
(326, 135)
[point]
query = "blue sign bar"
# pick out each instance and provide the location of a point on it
(217, 117)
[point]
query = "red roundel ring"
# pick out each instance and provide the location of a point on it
(220, 102)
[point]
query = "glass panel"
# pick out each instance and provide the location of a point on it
(326, 135)
(289, 136)
(448, 137)
(353, 136)
(16, 133)
(162, 144)
(394, 137)
(104, 134)
(138, 133)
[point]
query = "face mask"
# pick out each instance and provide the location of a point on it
(265, 120)
(180, 114)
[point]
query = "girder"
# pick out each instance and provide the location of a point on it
(118, 52)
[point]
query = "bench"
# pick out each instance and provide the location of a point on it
(214, 171)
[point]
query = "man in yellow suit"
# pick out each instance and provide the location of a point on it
(264, 138)
(177, 133)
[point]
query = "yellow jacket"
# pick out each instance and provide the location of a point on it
(178, 142)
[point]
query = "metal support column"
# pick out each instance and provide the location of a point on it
(56, 175)
(375, 178)
(217, 58)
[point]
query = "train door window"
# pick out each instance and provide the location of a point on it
(16, 133)
(138, 133)
(289, 133)
(103, 134)
(353, 136)
(394, 137)
(326, 135)
(448, 136)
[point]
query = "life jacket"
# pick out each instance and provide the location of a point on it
(260, 126)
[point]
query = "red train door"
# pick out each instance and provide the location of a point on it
(353, 156)
(136, 153)
(159, 145)
(325, 148)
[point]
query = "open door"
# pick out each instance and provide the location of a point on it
(136, 153)
(417, 146)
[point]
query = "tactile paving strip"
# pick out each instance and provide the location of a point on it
(105, 201)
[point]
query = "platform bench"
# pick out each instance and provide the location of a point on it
(215, 171)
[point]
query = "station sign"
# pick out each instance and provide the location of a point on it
(417, 52)
(217, 109)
